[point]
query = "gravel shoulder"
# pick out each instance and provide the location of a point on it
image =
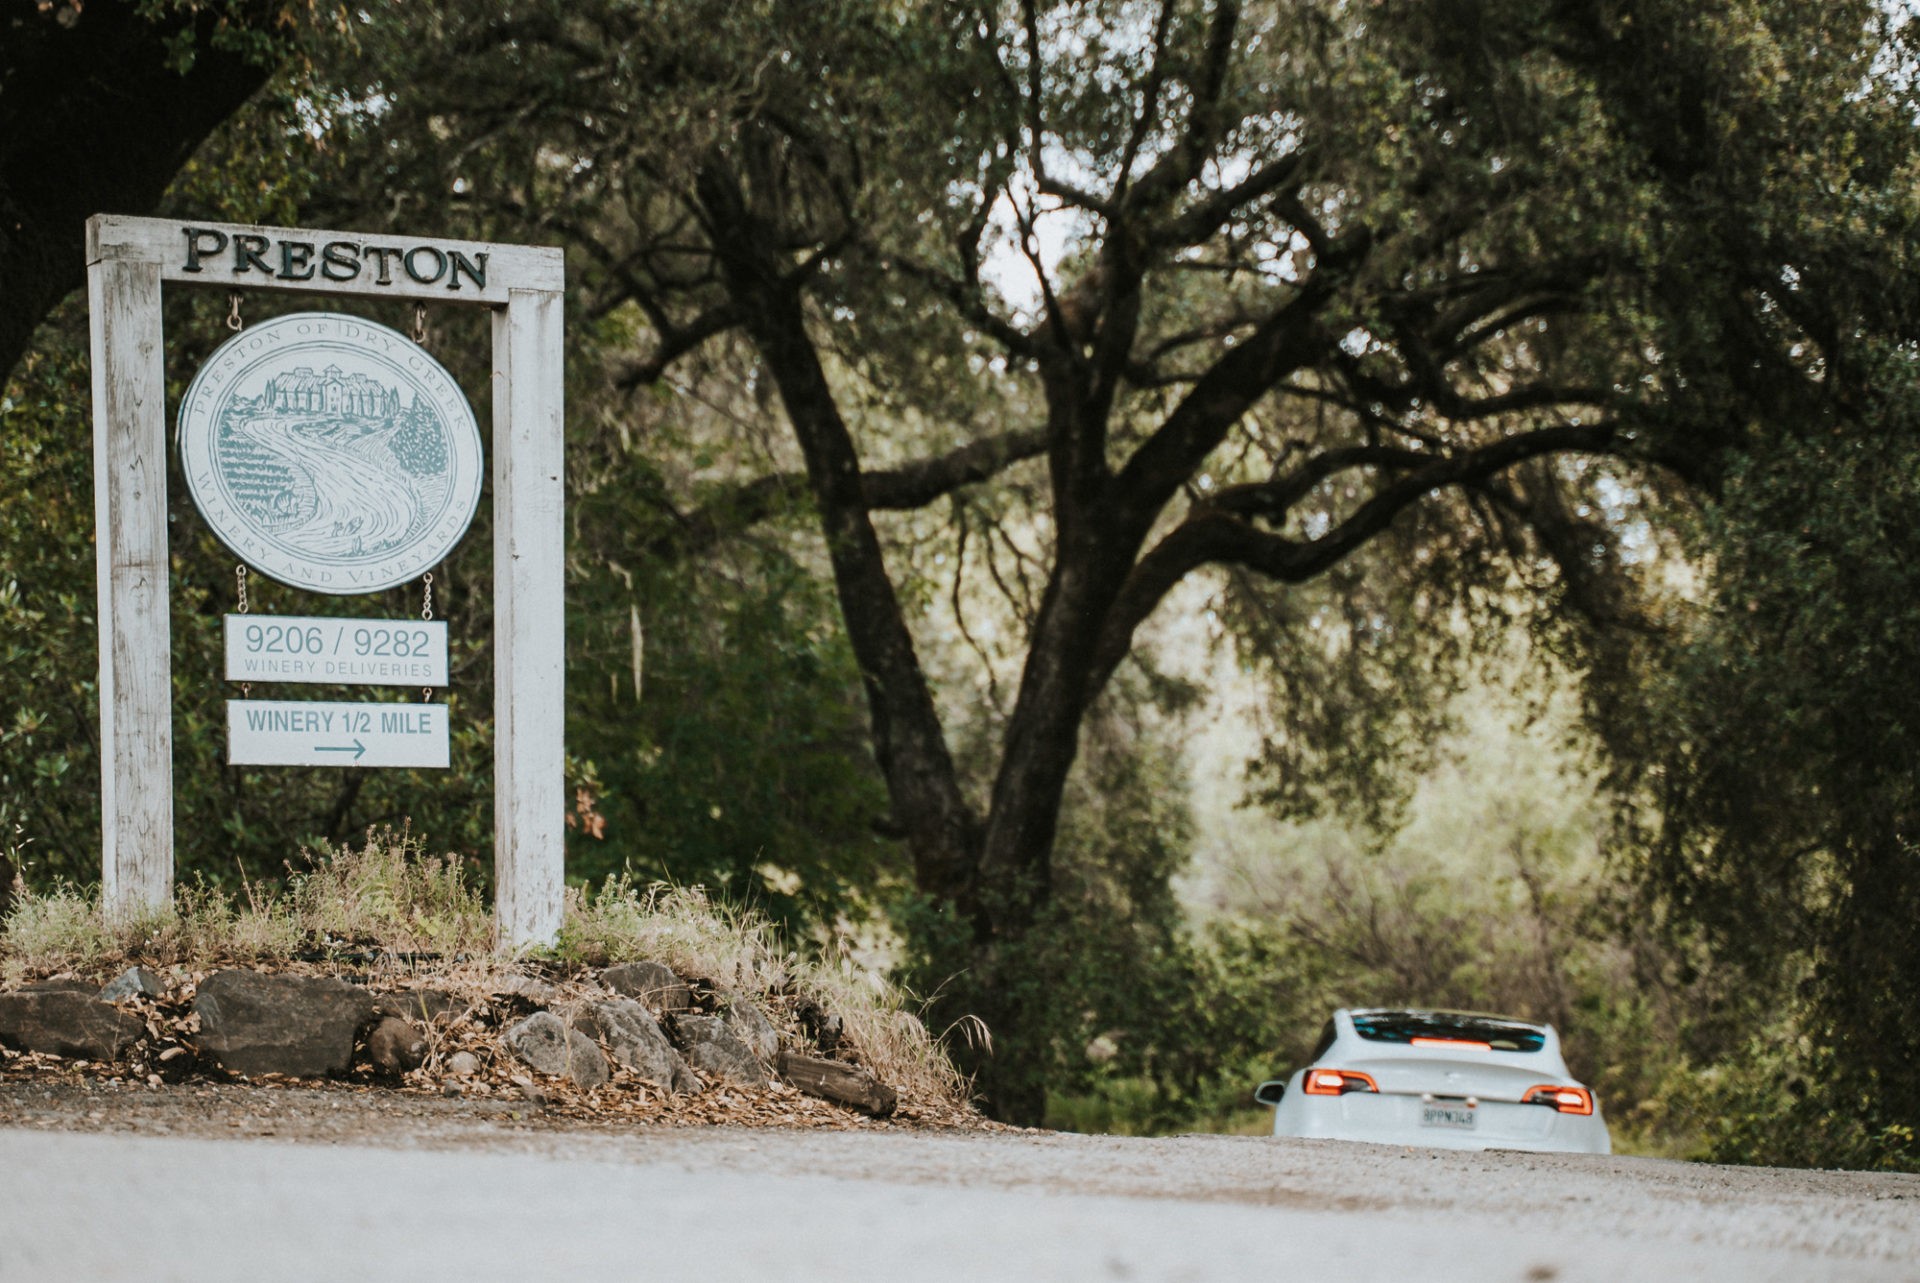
(287, 1164)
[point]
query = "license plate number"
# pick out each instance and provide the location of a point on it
(1461, 1116)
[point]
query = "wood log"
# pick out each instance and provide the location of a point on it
(842, 1083)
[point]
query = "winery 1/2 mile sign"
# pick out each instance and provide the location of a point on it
(338, 456)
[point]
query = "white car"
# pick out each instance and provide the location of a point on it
(1451, 1079)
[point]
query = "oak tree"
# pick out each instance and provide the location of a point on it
(1244, 292)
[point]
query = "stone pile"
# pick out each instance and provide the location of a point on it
(638, 1021)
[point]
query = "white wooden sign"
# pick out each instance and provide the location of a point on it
(350, 652)
(128, 262)
(270, 732)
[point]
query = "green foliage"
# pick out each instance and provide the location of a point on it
(717, 705)
(1140, 1020)
(1785, 1097)
(1761, 735)
(48, 772)
(1786, 726)
(231, 821)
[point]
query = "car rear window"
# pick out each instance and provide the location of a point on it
(1405, 1026)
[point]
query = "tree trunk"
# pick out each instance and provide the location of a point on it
(922, 783)
(94, 118)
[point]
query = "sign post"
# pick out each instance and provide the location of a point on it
(128, 261)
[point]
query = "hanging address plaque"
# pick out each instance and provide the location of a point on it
(369, 652)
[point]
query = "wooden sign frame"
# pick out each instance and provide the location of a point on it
(128, 262)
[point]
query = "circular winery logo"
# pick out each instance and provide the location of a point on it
(331, 453)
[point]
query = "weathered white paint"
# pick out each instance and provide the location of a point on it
(113, 238)
(348, 652)
(130, 518)
(275, 732)
(529, 628)
(128, 258)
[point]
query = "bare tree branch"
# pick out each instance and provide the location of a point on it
(966, 299)
(1285, 341)
(676, 340)
(1182, 163)
(1149, 103)
(911, 486)
(918, 484)
(1217, 533)
(1200, 221)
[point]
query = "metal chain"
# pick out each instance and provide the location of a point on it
(234, 322)
(426, 612)
(420, 324)
(240, 581)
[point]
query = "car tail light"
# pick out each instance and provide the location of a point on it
(1471, 1044)
(1568, 1100)
(1336, 1082)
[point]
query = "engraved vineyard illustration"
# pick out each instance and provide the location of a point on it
(332, 465)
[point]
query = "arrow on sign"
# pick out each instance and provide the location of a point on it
(357, 749)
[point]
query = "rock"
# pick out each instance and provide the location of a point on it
(634, 1038)
(652, 983)
(846, 1084)
(134, 982)
(530, 988)
(544, 1043)
(64, 1023)
(302, 1026)
(463, 1064)
(422, 1006)
(712, 1048)
(686, 1082)
(63, 984)
(751, 1026)
(394, 1047)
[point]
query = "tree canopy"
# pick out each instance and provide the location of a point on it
(100, 106)
(1254, 290)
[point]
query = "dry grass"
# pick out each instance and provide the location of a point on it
(390, 908)
(679, 926)
(387, 895)
(739, 951)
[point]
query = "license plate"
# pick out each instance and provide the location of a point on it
(1461, 1116)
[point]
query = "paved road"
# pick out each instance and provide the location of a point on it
(466, 1199)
